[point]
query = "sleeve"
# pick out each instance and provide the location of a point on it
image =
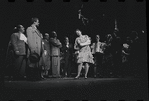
(41, 36)
(76, 44)
(54, 42)
(14, 42)
(88, 39)
(59, 43)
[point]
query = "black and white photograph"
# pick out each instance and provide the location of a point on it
(73, 50)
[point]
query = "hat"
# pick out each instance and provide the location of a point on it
(34, 58)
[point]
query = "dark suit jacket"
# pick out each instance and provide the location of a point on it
(18, 45)
(67, 51)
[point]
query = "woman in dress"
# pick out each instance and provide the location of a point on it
(84, 55)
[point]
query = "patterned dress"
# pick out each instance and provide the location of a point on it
(84, 52)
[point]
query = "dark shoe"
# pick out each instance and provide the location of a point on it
(43, 78)
(47, 76)
(65, 76)
(56, 76)
(69, 76)
(95, 76)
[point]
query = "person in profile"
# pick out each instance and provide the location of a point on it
(36, 50)
(55, 46)
(18, 42)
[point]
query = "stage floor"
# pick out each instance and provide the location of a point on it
(91, 89)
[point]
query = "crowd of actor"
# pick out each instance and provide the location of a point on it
(35, 56)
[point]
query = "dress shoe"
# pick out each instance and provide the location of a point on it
(77, 77)
(47, 76)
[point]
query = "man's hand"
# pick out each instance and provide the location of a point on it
(17, 52)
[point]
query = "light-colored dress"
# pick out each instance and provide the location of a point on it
(84, 52)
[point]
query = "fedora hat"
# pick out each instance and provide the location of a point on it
(34, 57)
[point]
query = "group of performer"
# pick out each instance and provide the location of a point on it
(34, 55)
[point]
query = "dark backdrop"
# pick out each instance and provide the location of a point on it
(63, 17)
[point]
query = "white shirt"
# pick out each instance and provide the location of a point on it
(96, 47)
(67, 44)
(23, 37)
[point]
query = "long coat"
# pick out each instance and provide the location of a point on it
(34, 40)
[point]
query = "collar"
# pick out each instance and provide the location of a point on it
(33, 26)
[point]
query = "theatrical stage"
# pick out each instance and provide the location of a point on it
(91, 89)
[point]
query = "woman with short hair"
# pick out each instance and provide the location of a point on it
(84, 56)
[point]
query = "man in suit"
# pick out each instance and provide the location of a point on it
(35, 45)
(67, 50)
(46, 55)
(55, 46)
(18, 40)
